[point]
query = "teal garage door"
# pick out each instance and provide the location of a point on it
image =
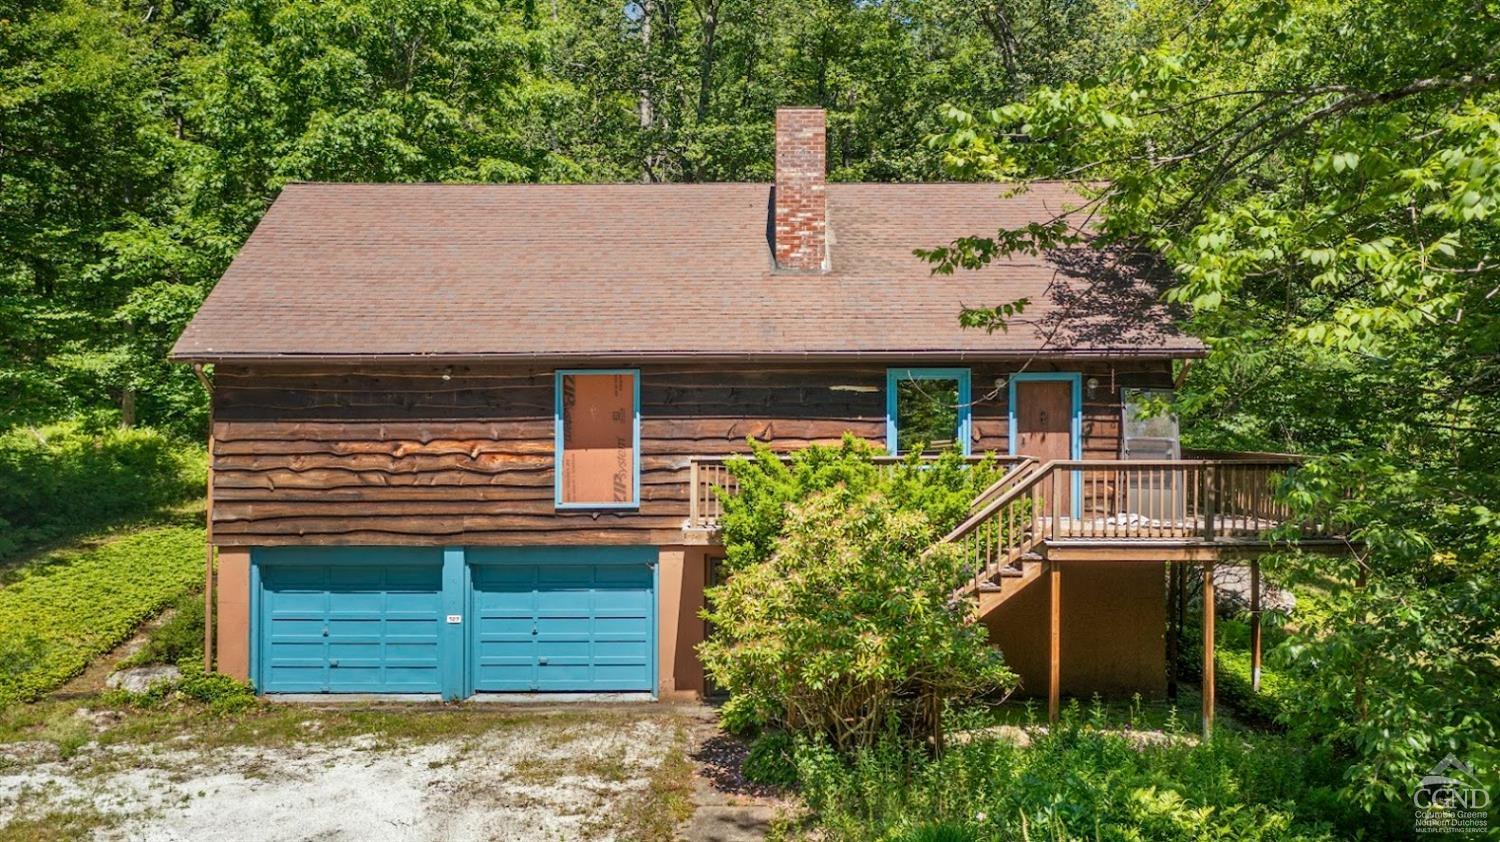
(579, 620)
(348, 620)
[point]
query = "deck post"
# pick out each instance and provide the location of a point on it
(1174, 653)
(1054, 641)
(1208, 650)
(1255, 625)
(693, 512)
(1056, 505)
(1208, 504)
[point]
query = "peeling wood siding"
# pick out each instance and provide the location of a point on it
(310, 455)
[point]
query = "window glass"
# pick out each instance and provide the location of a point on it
(928, 410)
(597, 423)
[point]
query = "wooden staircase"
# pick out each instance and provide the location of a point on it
(1001, 537)
(1010, 581)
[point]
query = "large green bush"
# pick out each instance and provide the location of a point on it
(64, 478)
(849, 627)
(769, 486)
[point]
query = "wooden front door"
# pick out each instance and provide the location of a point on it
(1044, 428)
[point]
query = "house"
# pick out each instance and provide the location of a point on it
(465, 437)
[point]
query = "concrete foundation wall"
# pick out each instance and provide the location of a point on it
(1113, 631)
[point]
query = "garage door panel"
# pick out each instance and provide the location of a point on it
(567, 625)
(333, 624)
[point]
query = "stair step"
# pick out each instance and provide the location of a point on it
(1032, 556)
(989, 587)
(1009, 572)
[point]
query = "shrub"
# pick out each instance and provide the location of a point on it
(771, 760)
(755, 516)
(1232, 676)
(221, 693)
(61, 479)
(1078, 782)
(849, 627)
(943, 832)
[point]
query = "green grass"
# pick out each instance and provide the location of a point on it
(62, 609)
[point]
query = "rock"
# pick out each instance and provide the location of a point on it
(141, 679)
(100, 719)
(27, 752)
(1232, 588)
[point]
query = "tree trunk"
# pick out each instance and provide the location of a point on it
(127, 408)
(647, 115)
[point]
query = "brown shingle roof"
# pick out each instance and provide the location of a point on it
(653, 271)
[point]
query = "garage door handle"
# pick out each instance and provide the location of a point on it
(334, 662)
(541, 660)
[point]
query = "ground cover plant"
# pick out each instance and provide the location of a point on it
(64, 608)
(179, 638)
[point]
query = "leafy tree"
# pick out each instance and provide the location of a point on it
(1323, 178)
(140, 142)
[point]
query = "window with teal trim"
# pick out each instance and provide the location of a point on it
(598, 438)
(927, 409)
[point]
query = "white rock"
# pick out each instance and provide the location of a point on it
(141, 679)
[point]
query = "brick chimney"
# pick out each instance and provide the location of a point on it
(800, 232)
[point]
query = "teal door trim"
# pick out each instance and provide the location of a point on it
(596, 556)
(1075, 426)
(257, 680)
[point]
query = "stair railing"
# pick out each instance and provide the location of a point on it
(1017, 472)
(1001, 531)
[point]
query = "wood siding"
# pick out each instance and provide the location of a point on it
(323, 455)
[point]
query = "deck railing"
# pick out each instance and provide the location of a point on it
(710, 482)
(1134, 501)
(1177, 501)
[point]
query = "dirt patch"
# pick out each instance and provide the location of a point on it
(92, 679)
(551, 778)
(726, 806)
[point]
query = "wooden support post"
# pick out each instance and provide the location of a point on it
(1174, 589)
(1054, 641)
(693, 513)
(1208, 651)
(1255, 625)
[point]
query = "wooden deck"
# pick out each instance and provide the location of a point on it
(1040, 516)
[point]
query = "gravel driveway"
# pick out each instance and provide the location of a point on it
(563, 775)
